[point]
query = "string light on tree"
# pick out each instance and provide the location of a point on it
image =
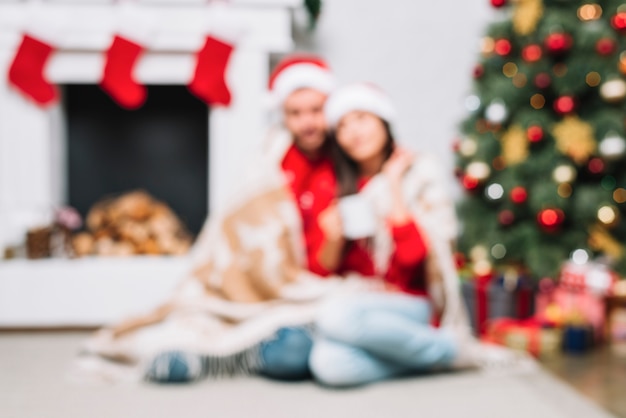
(612, 147)
(589, 11)
(478, 170)
(494, 191)
(498, 251)
(613, 91)
(468, 147)
(580, 256)
(496, 112)
(564, 174)
(608, 215)
(472, 103)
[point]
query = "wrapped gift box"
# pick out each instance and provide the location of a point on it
(490, 297)
(539, 339)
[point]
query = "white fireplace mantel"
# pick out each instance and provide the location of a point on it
(32, 166)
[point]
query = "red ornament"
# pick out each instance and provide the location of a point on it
(479, 70)
(498, 3)
(605, 46)
(550, 219)
(532, 53)
(543, 80)
(534, 133)
(519, 195)
(564, 105)
(595, 166)
(503, 47)
(558, 43)
(469, 182)
(619, 21)
(506, 217)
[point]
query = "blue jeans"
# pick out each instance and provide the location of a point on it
(284, 356)
(377, 336)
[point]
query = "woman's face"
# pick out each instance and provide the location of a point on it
(361, 135)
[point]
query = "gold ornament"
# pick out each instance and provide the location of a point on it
(514, 145)
(619, 195)
(601, 240)
(593, 79)
(526, 16)
(574, 138)
(537, 101)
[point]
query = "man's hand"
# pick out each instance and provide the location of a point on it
(331, 224)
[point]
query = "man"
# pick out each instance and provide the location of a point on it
(298, 87)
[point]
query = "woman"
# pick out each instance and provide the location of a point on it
(383, 334)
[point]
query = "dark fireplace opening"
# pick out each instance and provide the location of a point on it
(161, 148)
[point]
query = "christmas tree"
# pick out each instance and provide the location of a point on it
(542, 155)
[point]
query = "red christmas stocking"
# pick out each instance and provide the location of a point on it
(118, 79)
(209, 83)
(27, 71)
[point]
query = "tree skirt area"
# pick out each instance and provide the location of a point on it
(34, 383)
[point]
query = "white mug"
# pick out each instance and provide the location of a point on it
(357, 216)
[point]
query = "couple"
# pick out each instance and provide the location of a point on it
(278, 289)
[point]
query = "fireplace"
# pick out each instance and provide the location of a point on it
(161, 148)
(43, 159)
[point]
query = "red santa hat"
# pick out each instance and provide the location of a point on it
(359, 96)
(297, 72)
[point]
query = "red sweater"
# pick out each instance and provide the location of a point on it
(406, 267)
(313, 184)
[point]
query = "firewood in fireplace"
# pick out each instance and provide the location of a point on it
(134, 223)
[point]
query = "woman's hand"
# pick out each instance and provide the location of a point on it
(330, 223)
(397, 164)
(394, 168)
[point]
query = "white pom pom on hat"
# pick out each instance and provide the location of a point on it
(365, 97)
(297, 72)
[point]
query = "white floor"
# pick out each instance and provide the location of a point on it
(33, 384)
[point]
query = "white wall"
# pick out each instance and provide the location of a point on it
(421, 52)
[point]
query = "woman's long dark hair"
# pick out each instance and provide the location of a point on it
(346, 169)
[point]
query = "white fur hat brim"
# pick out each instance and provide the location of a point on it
(361, 96)
(300, 76)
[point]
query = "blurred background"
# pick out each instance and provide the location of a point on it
(123, 124)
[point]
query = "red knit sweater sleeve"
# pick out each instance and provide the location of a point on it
(409, 253)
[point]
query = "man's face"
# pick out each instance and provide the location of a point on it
(304, 118)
